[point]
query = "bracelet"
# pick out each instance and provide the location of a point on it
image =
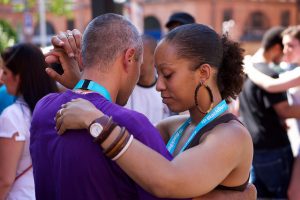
(115, 142)
(124, 149)
(121, 146)
(118, 145)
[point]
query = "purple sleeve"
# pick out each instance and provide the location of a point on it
(139, 126)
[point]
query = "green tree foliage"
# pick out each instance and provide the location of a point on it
(8, 36)
(57, 7)
(61, 7)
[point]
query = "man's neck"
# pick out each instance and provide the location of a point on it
(147, 80)
(106, 80)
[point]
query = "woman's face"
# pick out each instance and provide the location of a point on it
(11, 81)
(176, 81)
(291, 49)
(1, 72)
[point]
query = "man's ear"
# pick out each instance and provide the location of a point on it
(129, 57)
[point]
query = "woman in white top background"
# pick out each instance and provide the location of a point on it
(24, 76)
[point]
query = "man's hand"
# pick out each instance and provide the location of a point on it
(70, 41)
(249, 194)
(71, 74)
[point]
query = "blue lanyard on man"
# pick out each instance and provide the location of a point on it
(214, 113)
(93, 86)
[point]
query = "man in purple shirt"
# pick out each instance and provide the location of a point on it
(72, 166)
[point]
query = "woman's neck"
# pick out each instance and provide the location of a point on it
(197, 116)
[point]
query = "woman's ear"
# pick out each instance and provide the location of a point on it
(204, 72)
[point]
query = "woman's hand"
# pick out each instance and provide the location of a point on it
(76, 114)
(70, 44)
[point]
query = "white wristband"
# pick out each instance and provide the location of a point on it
(124, 149)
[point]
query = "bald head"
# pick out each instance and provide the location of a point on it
(106, 37)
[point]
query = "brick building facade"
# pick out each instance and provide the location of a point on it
(246, 20)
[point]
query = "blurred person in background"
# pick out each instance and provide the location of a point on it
(179, 19)
(264, 114)
(25, 78)
(145, 98)
(290, 79)
(5, 98)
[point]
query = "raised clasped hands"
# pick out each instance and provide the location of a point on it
(67, 52)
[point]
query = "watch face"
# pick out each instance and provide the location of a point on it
(96, 129)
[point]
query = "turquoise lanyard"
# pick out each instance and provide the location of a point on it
(93, 86)
(214, 113)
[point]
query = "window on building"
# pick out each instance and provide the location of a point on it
(255, 26)
(285, 18)
(50, 31)
(152, 27)
(257, 21)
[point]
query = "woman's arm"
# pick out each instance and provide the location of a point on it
(10, 154)
(195, 171)
(289, 80)
(250, 193)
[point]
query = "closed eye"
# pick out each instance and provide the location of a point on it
(168, 76)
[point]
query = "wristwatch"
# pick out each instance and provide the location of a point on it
(98, 125)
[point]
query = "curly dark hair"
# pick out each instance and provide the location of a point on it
(201, 44)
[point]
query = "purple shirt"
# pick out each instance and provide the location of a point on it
(72, 166)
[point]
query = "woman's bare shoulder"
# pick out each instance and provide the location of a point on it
(233, 130)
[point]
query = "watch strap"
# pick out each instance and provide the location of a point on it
(106, 132)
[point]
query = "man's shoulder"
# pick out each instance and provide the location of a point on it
(46, 102)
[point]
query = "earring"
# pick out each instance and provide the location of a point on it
(210, 95)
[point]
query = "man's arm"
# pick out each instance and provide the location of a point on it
(249, 194)
(284, 110)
